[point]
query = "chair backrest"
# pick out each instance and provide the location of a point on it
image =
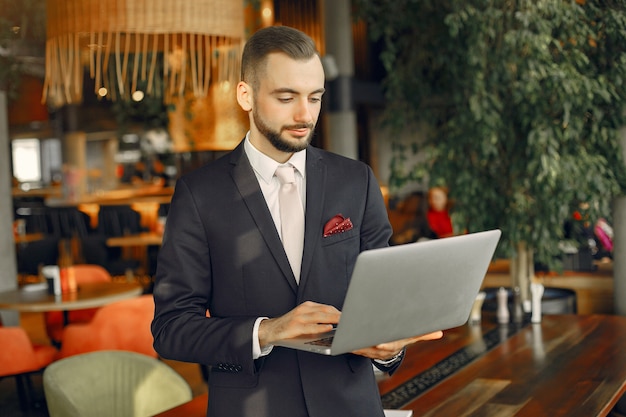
(123, 325)
(118, 221)
(67, 222)
(32, 255)
(18, 355)
(95, 251)
(83, 274)
(112, 383)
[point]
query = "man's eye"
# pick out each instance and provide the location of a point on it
(284, 99)
(315, 99)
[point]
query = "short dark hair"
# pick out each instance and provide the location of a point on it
(292, 42)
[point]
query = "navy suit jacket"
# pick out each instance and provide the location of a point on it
(221, 252)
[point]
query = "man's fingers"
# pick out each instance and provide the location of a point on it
(315, 313)
(307, 318)
(400, 344)
(389, 350)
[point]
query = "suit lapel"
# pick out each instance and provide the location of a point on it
(248, 186)
(315, 180)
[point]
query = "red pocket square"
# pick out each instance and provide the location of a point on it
(337, 224)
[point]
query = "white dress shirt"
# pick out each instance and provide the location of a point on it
(264, 168)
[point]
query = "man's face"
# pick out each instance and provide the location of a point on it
(286, 106)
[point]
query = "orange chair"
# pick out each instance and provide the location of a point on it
(19, 358)
(123, 325)
(55, 322)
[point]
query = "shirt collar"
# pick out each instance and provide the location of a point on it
(265, 166)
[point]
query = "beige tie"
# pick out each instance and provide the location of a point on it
(291, 217)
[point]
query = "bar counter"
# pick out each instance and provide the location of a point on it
(567, 365)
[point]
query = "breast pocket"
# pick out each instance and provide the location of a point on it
(335, 261)
(341, 237)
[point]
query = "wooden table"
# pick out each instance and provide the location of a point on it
(28, 238)
(568, 365)
(124, 194)
(88, 296)
(138, 245)
(139, 240)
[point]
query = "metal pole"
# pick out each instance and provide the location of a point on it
(8, 267)
(619, 244)
(341, 124)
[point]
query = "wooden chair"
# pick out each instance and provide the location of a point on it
(123, 325)
(54, 320)
(95, 251)
(112, 383)
(19, 358)
(31, 256)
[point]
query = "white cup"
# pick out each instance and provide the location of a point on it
(52, 273)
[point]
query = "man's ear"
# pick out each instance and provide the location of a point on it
(244, 96)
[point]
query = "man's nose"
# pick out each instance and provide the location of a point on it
(303, 113)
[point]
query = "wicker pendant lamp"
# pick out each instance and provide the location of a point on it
(156, 47)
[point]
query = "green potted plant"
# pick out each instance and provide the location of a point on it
(522, 103)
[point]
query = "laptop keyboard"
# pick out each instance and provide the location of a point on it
(325, 341)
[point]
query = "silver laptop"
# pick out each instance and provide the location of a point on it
(407, 290)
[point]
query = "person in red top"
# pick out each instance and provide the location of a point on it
(438, 212)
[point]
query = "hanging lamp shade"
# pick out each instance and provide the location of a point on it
(156, 47)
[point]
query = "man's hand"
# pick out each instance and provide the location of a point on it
(386, 351)
(308, 318)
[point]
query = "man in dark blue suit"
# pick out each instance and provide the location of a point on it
(223, 254)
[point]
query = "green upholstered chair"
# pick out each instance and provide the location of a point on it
(112, 383)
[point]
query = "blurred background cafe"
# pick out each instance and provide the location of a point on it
(99, 124)
(98, 120)
(92, 173)
(98, 129)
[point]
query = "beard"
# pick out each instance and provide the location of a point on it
(275, 138)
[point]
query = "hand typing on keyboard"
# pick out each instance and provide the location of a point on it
(307, 318)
